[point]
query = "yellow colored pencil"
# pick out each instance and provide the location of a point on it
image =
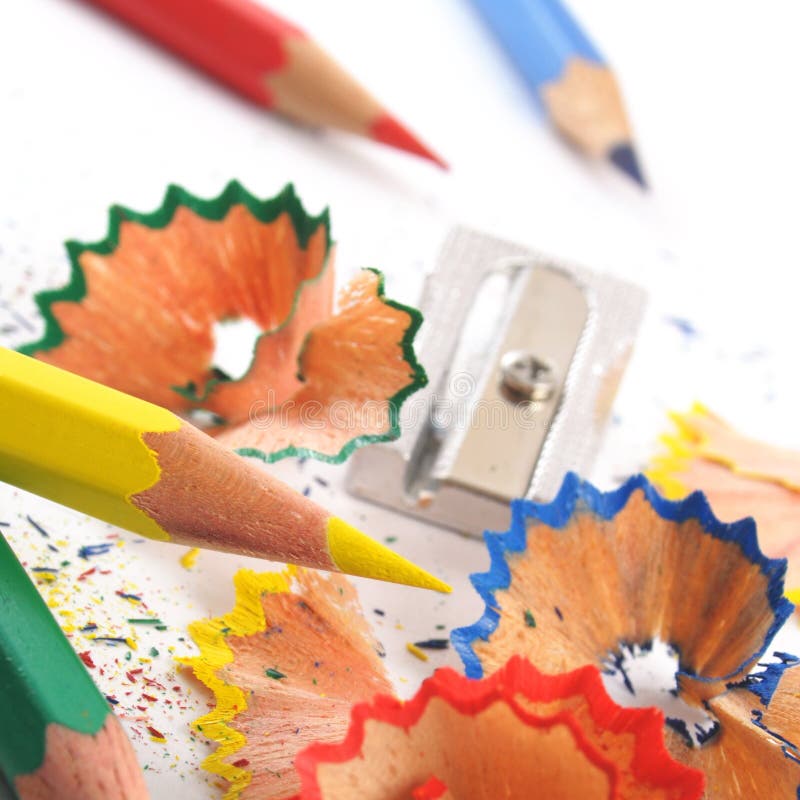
(141, 467)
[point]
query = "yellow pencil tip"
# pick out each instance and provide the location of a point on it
(355, 553)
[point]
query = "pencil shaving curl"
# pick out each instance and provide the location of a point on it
(600, 571)
(499, 737)
(159, 283)
(740, 476)
(285, 667)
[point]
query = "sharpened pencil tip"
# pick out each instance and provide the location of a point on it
(355, 553)
(624, 157)
(388, 130)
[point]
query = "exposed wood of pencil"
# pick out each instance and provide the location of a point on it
(268, 60)
(585, 104)
(312, 88)
(207, 496)
(79, 766)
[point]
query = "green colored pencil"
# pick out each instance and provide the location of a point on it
(59, 737)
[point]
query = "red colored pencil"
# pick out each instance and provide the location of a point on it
(268, 60)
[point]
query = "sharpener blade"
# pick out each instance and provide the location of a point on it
(523, 354)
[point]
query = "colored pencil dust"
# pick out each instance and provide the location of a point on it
(499, 737)
(269, 61)
(741, 477)
(315, 383)
(58, 738)
(285, 666)
(601, 573)
(139, 466)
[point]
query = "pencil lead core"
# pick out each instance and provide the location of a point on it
(388, 130)
(624, 157)
(356, 553)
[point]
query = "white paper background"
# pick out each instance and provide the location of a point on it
(91, 115)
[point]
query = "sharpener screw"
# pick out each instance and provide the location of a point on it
(525, 375)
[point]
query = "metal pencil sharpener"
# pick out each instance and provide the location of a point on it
(524, 355)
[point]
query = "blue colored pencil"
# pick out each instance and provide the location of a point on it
(567, 73)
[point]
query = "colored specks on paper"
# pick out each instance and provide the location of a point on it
(433, 644)
(90, 550)
(46, 574)
(416, 651)
(38, 527)
(156, 735)
(112, 607)
(112, 640)
(683, 325)
(86, 657)
(189, 558)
